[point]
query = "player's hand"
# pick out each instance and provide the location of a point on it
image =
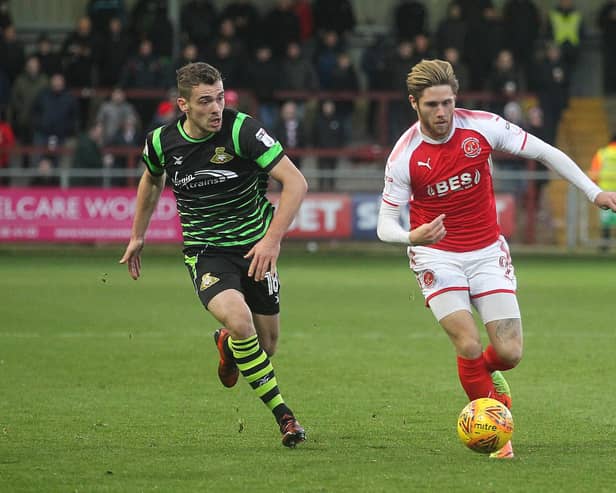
(429, 233)
(132, 257)
(264, 256)
(606, 200)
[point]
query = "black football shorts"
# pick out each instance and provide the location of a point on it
(213, 273)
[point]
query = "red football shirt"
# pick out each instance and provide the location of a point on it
(452, 177)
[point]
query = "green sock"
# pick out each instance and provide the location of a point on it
(259, 373)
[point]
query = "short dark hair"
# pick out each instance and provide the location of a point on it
(193, 74)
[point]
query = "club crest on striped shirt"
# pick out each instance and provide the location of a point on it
(221, 156)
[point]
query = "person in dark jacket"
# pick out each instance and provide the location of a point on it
(55, 116)
(328, 134)
(88, 157)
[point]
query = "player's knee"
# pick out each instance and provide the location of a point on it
(269, 344)
(511, 354)
(468, 348)
(515, 355)
(269, 348)
(239, 327)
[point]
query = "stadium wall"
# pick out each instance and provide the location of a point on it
(91, 215)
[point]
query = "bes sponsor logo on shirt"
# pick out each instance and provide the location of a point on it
(463, 181)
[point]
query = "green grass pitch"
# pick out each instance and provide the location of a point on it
(109, 385)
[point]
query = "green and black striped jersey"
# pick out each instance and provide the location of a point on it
(219, 181)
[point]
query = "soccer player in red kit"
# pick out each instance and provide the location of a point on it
(441, 168)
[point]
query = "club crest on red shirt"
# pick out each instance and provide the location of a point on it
(471, 147)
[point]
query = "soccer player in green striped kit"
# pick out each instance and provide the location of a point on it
(218, 162)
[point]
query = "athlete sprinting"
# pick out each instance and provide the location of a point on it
(218, 162)
(441, 168)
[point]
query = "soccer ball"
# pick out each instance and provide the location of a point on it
(485, 425)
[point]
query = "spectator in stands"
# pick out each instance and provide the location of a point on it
(328, 134)
(198, 20)
(452, 55)
(423, 47)
(246, 18)
(189, 54)
(303, 10)
(128, 138)
(149, 20)
(232, 99)
(166, 110)
(6, 19)
(325, 56)
(266, 70)
(509, 172)
(49, 57)
(535, 125)
(113, 113)
(374, 65)
(297, 74)
(144, 70)
(606, 20)
(55, 116)
(603, 173)
(551, 83)
(344, 78)
(483, 42)
(451, 31)
(47, 175)
(290, 130)
(227, 32)
(114, 53)
(7, 142)
(231, 66)
(566, 30)
(473, 9)
(410, 19)
(521, 24)
(505, 81)
(12, 53)
(102, 11)
(334, 14)
(78, 55)
(399, 113)
(88, 156)
(26, 88)
(280, 26)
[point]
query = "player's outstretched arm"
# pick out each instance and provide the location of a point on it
(148, 193)
(265, 253)
(606, 200)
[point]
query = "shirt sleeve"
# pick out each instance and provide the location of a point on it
(558, 161)
(152, 154)
(397, 187)
(253, 142)
(508, 137)
(389, 228)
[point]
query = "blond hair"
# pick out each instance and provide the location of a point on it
(428, 73)
(193, 74)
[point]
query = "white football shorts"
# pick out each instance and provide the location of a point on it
(452, 281)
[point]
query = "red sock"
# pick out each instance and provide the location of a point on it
(493, 361)
(475, 378)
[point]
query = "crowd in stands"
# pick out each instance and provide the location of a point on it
(509, 52)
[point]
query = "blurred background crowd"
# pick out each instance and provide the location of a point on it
(306, 68)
